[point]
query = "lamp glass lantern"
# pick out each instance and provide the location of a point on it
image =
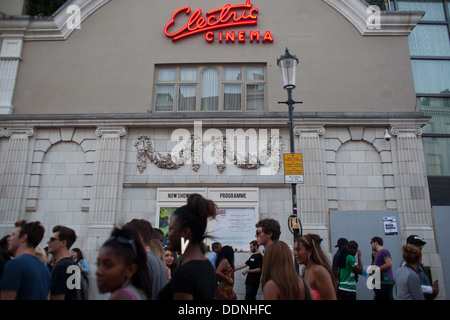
(288, 65)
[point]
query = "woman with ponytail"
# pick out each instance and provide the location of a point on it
(195, 279)
(122, 267)
(317, 269)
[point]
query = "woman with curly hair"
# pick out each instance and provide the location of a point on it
(225, 274)
(407, 281)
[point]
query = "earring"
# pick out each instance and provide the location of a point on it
(126, 283)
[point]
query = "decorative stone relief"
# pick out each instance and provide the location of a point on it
(120, 131)
(29, 132)
(397, 130)
(146, 152)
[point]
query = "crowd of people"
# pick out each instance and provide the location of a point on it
(132, 264)
(407, 282)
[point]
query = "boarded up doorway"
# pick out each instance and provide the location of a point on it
(361, 226)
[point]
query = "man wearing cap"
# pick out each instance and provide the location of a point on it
(341, 245)
(429, 291)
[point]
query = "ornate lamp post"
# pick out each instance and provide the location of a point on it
(288, 64)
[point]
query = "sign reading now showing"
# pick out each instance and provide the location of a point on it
(237, 215)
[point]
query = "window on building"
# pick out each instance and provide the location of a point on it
(429, 45)
(210, 88)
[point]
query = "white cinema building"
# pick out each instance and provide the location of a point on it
(99, 99)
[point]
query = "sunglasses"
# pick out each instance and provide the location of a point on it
(53, 239)
(259, 232)
(124, 240)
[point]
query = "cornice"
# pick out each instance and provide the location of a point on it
(277, 120)
(53, 28)
(371, 23)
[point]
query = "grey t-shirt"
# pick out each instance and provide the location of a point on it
(407, 284)
(158, 273)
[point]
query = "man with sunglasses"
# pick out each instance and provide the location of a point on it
(59, 245)
(267, 231)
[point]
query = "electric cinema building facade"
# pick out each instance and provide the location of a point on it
(122, 109)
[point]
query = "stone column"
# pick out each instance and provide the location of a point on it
(108, 176)
(9, 65)
(13, 179)
(312, 202)
(412, 184)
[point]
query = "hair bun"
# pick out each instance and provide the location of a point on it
(203, 207)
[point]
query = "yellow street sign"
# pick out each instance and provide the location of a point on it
(293, 168)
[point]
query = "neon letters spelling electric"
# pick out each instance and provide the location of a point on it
(226, 17)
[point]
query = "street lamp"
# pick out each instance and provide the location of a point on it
(288, 64)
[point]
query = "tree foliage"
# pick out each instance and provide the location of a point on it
(380, 3)
(43, 8)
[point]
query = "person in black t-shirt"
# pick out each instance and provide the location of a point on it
(195, 279)
(254, 264)
(59, 244)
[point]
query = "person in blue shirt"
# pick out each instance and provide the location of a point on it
(216, 247)
(25, 277)
(78, 258)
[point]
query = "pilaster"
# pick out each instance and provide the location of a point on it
(108, 176)
(412, 185)
(312, 194)
(10, 56)
(13, 179)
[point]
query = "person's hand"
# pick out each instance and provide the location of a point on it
(435, 287)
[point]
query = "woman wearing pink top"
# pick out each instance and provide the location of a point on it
(317, 270)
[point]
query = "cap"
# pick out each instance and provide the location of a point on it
(341, 242)
(415, 240)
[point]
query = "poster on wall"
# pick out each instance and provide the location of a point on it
(390, 225)
(164, 218)
(234, 227)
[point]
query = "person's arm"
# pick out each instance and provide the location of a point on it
(324, 284)
(84, 266)
(242, 266)
(435, 287)
(257, 270)
(387, 263)
(358, 268)
(414, 287)
(8, 295)
(219, 271)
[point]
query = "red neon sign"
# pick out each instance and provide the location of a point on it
(226, 17)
